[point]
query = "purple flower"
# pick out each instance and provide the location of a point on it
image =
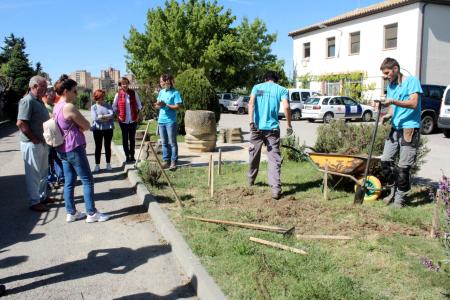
(428, 263)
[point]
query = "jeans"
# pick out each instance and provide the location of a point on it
(99, 137)
(55, 167)
(76, 163)
(168, 133)
(35, 157)
(128, 134)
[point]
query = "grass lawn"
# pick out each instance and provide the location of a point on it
(382, 262)
(117, 135)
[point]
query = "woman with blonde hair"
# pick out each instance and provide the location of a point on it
(102, 128)
(73, 152)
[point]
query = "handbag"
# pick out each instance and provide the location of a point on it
(52, 132)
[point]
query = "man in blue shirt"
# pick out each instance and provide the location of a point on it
(403, 99)
(263, 110)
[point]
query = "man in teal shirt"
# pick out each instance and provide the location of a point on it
(263, 108)
(403, 99)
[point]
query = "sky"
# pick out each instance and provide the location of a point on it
(66, 36)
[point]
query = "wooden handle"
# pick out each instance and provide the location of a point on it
(239, 224)
(277, 245)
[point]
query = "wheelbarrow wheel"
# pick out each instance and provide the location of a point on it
(374, 192)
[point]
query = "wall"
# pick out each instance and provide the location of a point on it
(436, 45)
(372, 50)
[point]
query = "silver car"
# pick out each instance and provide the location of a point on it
(240, 105)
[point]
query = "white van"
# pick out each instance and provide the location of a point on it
(297, 98)
(444, 114)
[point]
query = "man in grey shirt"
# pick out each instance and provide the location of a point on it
(32, 114)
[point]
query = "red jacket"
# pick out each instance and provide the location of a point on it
(122, 105)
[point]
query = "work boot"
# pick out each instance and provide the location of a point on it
(390, 198)
(173, 165)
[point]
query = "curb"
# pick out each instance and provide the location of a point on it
(203, 283)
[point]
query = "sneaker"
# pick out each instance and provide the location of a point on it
(165, 165)
(97, 217)
(97, 168)
(276, 196)
(173, 165)
(108, 167)
(75, 217)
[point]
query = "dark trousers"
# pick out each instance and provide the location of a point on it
(271, 139)
(128, 135)
(99, 137)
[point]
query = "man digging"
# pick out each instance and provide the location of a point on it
(263, 110)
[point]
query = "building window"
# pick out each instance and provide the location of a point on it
(390, 36)
(332, 88)
(306, 50)
(331, 47)
(354, 42)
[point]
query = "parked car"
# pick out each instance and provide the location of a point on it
(297, 98)
(327, 108)
(431, 106)
(240, 105)
(444, 115)
(225, 100)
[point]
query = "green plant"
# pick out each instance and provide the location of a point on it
(354, 139)
(82, 99)
(197, 94)
(150, 172)
(292, 150)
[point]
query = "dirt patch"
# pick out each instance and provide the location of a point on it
(310, 216)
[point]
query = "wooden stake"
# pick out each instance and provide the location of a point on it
(165, 176)
(325, 182)
(212, 177)
(219, 164)
(244, 225)
(435, 221)
(142, 143)
(277, 245)
(323, 237)
(209, 172)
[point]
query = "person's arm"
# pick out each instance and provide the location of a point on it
(387, 116)
(251, 108)
(138, 101)
(114, 106)
(110, 114)
(24, 127)
(71, 112)
(410, 103)
(94, 115)
(178, 102)
(287, 112)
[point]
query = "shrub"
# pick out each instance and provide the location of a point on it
(354, 139)
(150, 172)
(82, 99)
(293, 150)
(197, 94)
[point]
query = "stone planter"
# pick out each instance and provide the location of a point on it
(200, 126)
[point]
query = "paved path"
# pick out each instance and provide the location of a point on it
(43, 257)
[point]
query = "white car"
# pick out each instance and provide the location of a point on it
(240, 105)
(444, 114)
(225, 100)
(327, 108)
(297, 98)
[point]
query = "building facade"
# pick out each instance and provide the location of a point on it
(83, 79)
(328, 56)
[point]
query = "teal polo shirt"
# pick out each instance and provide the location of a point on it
(268, 96)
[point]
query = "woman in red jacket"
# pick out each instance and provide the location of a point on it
(127, 106)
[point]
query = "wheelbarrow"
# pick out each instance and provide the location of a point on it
(349, 166)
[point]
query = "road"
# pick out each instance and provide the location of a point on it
(437, 160)
(43, 257)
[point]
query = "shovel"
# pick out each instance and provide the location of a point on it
(362, 189)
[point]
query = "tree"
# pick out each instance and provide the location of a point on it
(19, 70)
(198, 34)
(197, 94)
(39, 71)
(10, 41)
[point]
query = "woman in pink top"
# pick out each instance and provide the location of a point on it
(73, 152)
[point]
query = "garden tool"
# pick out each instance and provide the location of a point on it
(362, 189)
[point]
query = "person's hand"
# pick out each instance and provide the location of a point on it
(253, 127)
(386, 102)
(289, 131)
(161, 103)
(384, 119)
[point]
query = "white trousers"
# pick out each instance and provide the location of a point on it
(35, 157)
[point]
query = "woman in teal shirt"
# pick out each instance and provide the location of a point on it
(168, 102)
